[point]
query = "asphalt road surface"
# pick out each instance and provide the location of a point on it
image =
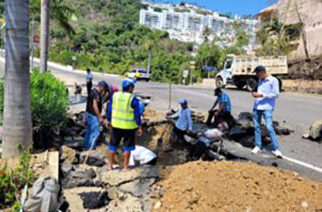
(296, 111)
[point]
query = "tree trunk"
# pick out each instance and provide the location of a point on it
(44, 36)
(17, 113)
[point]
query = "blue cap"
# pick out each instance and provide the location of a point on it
(104, 83)
(259, 69)
(127, 82)
(183, 102)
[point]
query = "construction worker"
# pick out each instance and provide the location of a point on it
(93, 114)
(89, 81)
(265, 97)
(224, 109)
(183, 124)
(124, 117)
(143, 156)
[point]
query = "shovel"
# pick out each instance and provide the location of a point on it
(160, 140)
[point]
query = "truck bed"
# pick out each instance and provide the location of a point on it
(245, 65)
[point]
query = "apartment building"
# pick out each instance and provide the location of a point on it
(187, 22)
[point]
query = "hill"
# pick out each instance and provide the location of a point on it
(108, 35)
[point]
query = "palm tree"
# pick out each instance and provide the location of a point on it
(44, 34)
(17, 113)
(59, 11)
(147, 45)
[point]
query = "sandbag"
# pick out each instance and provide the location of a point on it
(213, 134)
(44, 195)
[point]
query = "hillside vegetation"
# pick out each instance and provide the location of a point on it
(106, 34)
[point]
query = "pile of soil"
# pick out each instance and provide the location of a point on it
(234, 186)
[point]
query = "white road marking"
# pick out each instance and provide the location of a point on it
(195, 93)
(307, 165)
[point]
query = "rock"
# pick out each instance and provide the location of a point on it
(247, 141)
(94, 200)
(236, 132)
(306, 135)
(88, 174)
(115, 178)
(66, 168)
(78, 182)
(74, 199)
(316, 130)
(68, 155)
(94, 159)
(137, 187)
(246, 124)
(304, 204)
(157, 205)
(245, 116)
(282, 131)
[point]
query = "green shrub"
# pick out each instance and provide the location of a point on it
(49, 101)
(12, 181)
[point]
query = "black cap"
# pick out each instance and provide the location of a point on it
(259, 69)
(217, 91)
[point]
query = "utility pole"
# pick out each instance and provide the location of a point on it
(44, 34)
(170, 94)
(149, 61)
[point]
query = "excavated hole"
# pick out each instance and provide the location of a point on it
(95, 200)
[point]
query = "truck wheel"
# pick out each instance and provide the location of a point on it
(220, 82)
(280, 83)
(251, 84)
(240, 85)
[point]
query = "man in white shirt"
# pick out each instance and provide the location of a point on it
(264, 105)
(183, 124)
(143, 156)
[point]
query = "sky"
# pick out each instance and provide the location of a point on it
(236, 7)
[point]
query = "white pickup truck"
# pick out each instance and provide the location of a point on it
(238, 70)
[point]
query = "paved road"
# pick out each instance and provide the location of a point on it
(296, 111)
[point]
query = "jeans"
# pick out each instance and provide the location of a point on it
(92, 131)
(268, 116)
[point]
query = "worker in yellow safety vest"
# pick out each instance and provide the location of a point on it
(123, 115)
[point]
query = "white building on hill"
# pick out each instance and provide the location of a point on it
(186, 22)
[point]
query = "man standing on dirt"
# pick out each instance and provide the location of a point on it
(89, 81)
(124, 117)
(93, 114)
(267, 93)
(224, 110)
(183, 124)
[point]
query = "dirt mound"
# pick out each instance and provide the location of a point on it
(233, 186)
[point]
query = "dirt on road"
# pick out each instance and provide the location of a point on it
(234, 186)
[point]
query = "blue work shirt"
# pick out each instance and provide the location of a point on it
(89, 77)
(134, 104)
(184, 121)
(269, 87)
(224, 98)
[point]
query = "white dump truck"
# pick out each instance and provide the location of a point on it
(238, 70)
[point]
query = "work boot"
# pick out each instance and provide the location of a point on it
(256, 150)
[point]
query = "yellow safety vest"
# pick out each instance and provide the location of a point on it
(122, 112)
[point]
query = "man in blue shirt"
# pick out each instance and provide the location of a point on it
(224, 109)
(183, 124)
(267, 93)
